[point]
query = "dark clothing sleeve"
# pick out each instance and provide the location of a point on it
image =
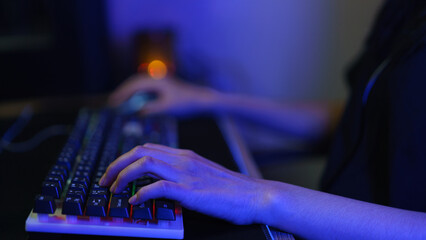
(407, 133)
(379, 151)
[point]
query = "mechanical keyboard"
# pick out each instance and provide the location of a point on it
(72, 202)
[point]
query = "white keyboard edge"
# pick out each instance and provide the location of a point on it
(58, 223)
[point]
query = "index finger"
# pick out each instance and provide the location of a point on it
(128, 158)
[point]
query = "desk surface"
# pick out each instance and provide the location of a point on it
(21, 175)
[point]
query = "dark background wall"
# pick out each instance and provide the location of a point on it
(278, 49)
(50, 47)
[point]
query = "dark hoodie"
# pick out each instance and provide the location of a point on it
(379, 150)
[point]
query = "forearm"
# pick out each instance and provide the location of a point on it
(317, 215)
(306, 120)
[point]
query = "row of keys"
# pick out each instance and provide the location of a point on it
(78, 191)
(53, 185)
(84, 196)
(119, 207)
(99, 197)
(102, 203)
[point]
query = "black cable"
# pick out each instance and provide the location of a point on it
(17, 127)
(41, 136)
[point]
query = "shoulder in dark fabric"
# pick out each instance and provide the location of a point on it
(362, 164)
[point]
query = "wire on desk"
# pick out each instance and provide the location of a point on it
(41, 136)
(19, 125)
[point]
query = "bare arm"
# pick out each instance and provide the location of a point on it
(307, 120)
(318, 215)
(207, 187)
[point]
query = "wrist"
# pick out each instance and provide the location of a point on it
(273, 208)
(266, 204)
(210, 100)
(221, 102)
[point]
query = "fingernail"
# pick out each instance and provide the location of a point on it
(113, 187)
(102, 181)
(133, 199)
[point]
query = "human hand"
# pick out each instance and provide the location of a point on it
(174, 97)
(197, 183)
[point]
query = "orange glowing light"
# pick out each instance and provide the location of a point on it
(157, 69)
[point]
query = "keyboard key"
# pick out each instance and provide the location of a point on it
(58, 173)
(124, 193)
(76, 194)
(73, 206)
(63, 161)
(84, 167)
(61, 168)
(99, 174)
(143, 182)
(57, 180)
(51, 189)
(44, 204)
(103, 166)
(96, 185)
(96, 179)
(84, 174)
(96, 207)
(81, 180)
(119, 207)
(165, 210)
(79, 187)
(143, 211)
(99, 193)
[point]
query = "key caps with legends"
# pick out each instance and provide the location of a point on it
(73, 206)
(51, 189)
(143, 211)
(165, 209)
(119, 207)
(44, 204)
(96, 207)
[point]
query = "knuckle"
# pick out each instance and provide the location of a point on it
(164, 186)
(145, 161)
(188, 153)
(120, 177)
(109, 168)
(138, 194)
(189, 165)
(148, 160)
(147, 145)
(137, 150)
(140, 162)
